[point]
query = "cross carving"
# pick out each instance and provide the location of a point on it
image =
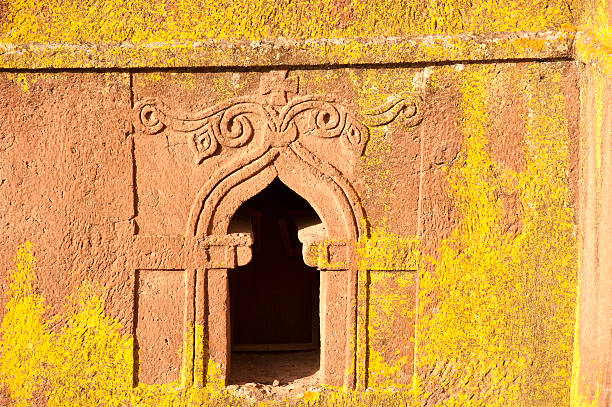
(277, 86)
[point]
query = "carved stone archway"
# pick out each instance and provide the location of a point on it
(267, 130)
(335, 201)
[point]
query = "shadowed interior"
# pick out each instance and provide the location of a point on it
(274, 300)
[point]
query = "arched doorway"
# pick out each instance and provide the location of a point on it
(337, 205)
(274, 299)
(312, 144)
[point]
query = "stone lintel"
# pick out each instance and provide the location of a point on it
(290, 52)
(210, 252)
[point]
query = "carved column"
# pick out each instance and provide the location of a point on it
(204, 264)
(337, 304)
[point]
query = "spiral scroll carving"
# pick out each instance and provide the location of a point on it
(235, 128)
(408, 105)
(272, 118)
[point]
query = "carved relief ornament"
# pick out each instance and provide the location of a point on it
(278, 120)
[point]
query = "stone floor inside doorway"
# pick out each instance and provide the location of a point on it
(264, 376)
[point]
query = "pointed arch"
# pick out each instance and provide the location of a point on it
(337, 204)
(322, 185)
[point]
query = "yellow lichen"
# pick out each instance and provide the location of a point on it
(594, 46)
(577, 399)
(25, 339)
(87, 362)
(111, 21)
(383, 250)
(498, 309)
(144, 33)
(20, 79)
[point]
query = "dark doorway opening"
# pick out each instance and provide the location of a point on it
(274, 300)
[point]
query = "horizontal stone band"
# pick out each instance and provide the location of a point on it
(283, 51)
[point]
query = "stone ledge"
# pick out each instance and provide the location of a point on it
(280, 51)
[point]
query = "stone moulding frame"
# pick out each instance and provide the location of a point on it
(296, 52)
(267, 128)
